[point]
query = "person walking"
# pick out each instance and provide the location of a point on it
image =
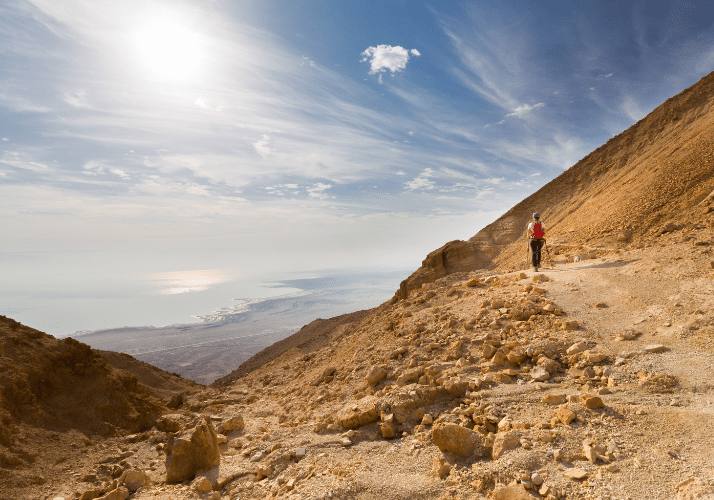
(536, 235)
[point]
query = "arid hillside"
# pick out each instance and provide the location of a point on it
(658, 171)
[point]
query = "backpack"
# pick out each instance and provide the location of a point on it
(538, 232)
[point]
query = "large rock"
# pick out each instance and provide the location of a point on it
(456, 439)
(376, 374)
(133, 479)
(193, 449)
(362, 412)
(504, 442)
(513, 492)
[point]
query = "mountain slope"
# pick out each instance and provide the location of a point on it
(657, 171)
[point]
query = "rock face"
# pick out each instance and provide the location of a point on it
(456, 439)
(192, 450)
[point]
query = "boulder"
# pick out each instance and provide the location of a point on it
(133, 479)
(359, 413)
(539, 374)
(193, 449)
(456, 439)
(504, 442)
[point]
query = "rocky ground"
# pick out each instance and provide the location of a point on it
(590, 380)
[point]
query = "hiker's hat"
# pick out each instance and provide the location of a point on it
(536, 215)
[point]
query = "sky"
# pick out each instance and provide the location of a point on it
(168, 136)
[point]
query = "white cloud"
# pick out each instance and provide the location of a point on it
(387, 58)
(316, 191)
(77, 99)
(5, 139)
(261, 146)
(525, 108)
(421, 181)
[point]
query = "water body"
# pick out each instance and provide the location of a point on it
(223, 339)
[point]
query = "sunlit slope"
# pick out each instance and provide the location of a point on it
(657, 171)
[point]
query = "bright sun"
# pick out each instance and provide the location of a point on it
(170, 50)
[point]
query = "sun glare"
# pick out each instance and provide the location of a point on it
(170, 50)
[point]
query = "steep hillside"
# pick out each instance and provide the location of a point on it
(656, 172)
(56, 396)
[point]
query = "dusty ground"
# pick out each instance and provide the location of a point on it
(657, 430)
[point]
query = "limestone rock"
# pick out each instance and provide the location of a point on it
(539, 374)
(489, 351)
(554, 399)
(232, 424)
(570, 325)
(513, 492)
(591, 401)
(504, 442)
(265, 470)
(362, 412)
(387, 430)
(133, 479)
(577, 348)
(457, 439)
(201, 485)
(575, 473)
(376, 374)
(427, 419)
(193, 449)
(565, 415)
(168, 424)
(440, 467)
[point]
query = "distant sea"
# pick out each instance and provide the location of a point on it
(200, 324)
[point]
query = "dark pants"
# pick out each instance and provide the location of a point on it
(536, 246)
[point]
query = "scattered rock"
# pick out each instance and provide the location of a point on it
(362, 412)
(201, 485)
(554, 399)
(575, 473)
(376, 374)
(133, 479)
(504, 442)
(590, 401)
(655, 348)
(565, 415)
(457, 439)
(194, 449)
(513, 492)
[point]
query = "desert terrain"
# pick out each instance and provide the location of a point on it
(591, 379)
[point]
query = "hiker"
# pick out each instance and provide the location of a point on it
(536, 235)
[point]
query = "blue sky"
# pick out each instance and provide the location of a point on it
(309, 134)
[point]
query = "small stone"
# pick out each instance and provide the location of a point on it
(201, 484)
(133, 479)
(536, 479)
(656, 348)
(559, 454)
(576, 348)
(565, 415)
(386, 430)
(570, 325)
(427, 419)
(345, 441)
(300, 453)
(263, 470)
(512, 492)
(590, 401)
(440, 467)
(575, 473)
